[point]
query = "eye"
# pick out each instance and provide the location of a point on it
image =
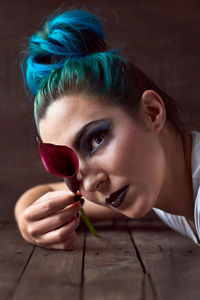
(95, 138)
(97, 141)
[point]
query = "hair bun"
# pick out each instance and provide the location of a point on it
(72, 34)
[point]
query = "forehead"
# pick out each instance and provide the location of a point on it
(67, 115)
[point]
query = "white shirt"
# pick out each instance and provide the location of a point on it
(180, 223)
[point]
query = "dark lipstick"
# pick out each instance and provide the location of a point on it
(116, 198)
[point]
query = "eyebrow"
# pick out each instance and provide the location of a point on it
(82, 131)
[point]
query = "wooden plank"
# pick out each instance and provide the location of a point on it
(172, 261)
(53, 274)
(14, 254)
(112, 270)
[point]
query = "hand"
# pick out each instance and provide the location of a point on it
(51, 221)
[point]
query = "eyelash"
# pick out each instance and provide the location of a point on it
(95, 133)
(93, 139)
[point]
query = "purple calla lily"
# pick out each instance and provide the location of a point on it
(61, 161)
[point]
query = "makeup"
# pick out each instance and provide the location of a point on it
(115, 199)
(92, 136)
(95, 137)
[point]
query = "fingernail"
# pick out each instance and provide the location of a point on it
(82, 200)
(79, 198)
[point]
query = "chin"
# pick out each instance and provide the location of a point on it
(135, 211)
(133, 215)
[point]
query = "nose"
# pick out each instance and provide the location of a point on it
(94, 182)
(92, 179)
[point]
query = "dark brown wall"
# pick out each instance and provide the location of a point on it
(162, 37)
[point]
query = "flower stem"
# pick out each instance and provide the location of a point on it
(88, 223)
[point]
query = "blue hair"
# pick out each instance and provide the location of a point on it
(72, 34)
(69, 56)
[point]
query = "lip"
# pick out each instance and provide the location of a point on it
(115, 199)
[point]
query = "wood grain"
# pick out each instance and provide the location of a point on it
(112, 270)
(14, 255)
(171, 260)
(53, 274)
(131, 260)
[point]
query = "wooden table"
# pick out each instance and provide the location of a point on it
(131, 260)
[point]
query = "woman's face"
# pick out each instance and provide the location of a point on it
(122, 164)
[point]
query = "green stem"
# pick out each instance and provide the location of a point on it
(88, 223)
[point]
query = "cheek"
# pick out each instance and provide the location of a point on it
(125, 154)
(116, 157)
(139, 158)
(148, 176)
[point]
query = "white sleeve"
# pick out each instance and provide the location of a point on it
(177, 223)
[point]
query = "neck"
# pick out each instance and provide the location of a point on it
(176, 196)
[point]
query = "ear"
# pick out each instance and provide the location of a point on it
(153, 110)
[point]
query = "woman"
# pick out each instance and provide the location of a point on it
(134, 150)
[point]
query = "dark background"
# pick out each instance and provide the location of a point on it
(162, 37)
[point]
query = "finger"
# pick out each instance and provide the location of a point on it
(67, 245)
(60, 235)
(50, 204)
(52, 194)
(52, 222)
